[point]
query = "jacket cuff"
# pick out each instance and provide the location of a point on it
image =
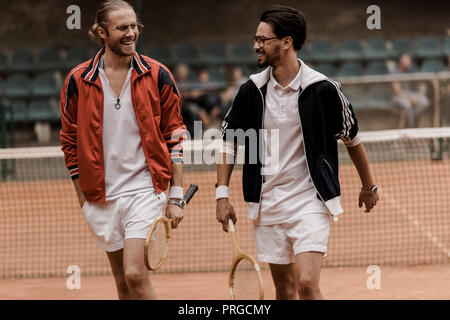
(176, 156)
(73, 171)
(354, 142)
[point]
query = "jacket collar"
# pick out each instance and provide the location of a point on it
(91, 73)
(308, 76)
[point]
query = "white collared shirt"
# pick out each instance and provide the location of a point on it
(126, 169)
(288, 192)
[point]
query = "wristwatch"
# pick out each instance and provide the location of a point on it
(178, 202)
(371, 190)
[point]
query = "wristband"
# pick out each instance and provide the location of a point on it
(176, 192)
(222, 192)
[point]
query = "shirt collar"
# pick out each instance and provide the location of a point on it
(294, 84)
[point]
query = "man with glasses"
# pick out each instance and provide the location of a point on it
(121, 136)
(290, 204)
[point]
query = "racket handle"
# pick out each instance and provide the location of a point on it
(230, 226)
(190, 193)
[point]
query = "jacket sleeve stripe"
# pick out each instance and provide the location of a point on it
(348, 121)
(71, 89)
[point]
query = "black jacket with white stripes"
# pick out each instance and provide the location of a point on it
(325, 116)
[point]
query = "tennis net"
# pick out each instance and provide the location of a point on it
(43, 232)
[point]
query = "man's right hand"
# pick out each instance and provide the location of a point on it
(225, 211)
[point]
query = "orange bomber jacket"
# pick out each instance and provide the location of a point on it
(157, 104)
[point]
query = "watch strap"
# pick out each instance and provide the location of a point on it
(180, 202)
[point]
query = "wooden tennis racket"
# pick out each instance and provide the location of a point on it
(245, 279)
(157, 242)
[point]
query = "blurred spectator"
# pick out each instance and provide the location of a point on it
(236, 80)
(182, 78)
(414, 103)
(206, 95)
(201, 100)
(188, 109)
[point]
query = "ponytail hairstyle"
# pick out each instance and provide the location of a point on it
(101, 18)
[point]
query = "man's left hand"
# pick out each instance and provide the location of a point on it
(369, 199)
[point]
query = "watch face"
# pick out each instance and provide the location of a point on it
(374, 189)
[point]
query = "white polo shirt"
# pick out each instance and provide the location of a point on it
(289, 192)
(126, 170)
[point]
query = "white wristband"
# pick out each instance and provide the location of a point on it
(176, 192)
(222, 192)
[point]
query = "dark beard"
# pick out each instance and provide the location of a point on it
(270, 60)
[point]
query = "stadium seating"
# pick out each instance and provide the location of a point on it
(305, 53)
(380, 96)
(350, 69)
(322, 50)
(447, 46)
(214, 53)
(187, 53)
(23, 60)
(75, 56)
(377, 68)
(327, 69)
(356, 95)
(161, 53)
(217, 75)
(375, 48)
(41, 109)
(241, 53)
(18, 86)
(432, 65)
(350, 49)
(19, 110)
(402, 45)
(45, 85)
(3, 62)
(345, 59)
(429, 47)
(49, 60)
(246, 70)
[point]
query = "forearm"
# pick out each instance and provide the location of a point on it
(177, 175)
(224, 169)
(80, 193)
(359, 158)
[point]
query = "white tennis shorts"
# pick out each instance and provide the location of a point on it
(123, 218)
(280, 243)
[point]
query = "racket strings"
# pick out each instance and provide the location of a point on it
(245, 281)
(158, 244)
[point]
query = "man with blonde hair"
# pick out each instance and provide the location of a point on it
(121, 136)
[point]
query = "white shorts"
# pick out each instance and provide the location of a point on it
(123, 218)
(280, 243)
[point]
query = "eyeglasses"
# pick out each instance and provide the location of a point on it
(261, 41)
(134, 26)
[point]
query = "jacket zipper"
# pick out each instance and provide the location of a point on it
(328, 165)
(264, 147)
(304, 150)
